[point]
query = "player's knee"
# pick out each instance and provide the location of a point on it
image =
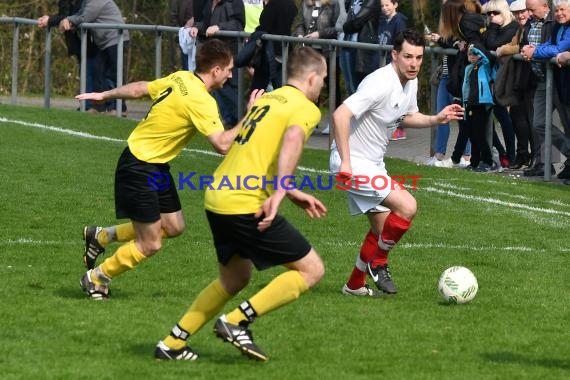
(174, 231)
(319, 271)
(408, 209)
(235, 283)
(315, 272)
(151, 247)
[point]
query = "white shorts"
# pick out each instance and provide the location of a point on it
(368, 187)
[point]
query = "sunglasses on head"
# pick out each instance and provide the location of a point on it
(493, 13)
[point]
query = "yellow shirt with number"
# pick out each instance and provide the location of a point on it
(238, 182)
(181, 106)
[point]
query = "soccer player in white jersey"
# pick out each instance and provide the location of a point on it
(362, 126)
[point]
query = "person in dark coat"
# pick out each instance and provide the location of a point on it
(227, 15)
(361, 26)
(501, 29)
(276, 18)
(72, 38)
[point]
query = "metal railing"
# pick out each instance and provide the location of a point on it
(332, 45)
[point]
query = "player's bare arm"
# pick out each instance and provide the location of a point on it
(291, 150)
(133, 90)
(222, 141)
(341, 129)
(419, 120)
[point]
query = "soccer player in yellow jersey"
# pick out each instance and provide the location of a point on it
(144, 188)
(243, 217)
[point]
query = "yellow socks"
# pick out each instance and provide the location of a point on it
(125, 232)
(127, 257)
(209, 302)
(283, 289)
(120, 233)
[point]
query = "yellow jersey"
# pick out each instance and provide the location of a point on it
(243, 180)
(181, 106)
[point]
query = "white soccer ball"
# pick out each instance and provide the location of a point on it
(458, 285)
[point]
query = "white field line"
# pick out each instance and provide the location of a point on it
(320, 171)
(455, 247)
(499, 202)
(111, 139)
(30, 241)
(89, 135)
(402, 246)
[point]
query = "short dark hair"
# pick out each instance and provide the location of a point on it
(212, 53)
(410, 36)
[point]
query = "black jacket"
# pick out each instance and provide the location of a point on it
(496, 36)
(72, 40)
(277, 18)
(228, 15)
(365, 24)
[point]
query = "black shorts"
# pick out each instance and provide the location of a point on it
(143, 190)
(238, 235)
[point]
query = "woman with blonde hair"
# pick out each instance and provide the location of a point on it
(523, 86)
(501, 30)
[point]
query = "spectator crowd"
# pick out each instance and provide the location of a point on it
(495, 89)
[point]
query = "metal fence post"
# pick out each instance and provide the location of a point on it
(240, 85)
(433, 100)
(284, 56)
(158, 54)
(15, 59)
(47, 69)
(120, 50)
(332, 88)
(548, 124)
(83, 68)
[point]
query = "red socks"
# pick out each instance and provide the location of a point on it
(376, 252)
(394, 228)
(367, 252)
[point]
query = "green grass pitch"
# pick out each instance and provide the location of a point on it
(58, 171)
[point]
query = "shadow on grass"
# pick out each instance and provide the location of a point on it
(204, 355)
(513, 358)
(77, 293)
(70, 293)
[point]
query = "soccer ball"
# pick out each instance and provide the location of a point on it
(457, 285)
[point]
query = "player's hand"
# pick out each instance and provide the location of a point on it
(95, 96)
(193, 32)
(268, 210)
(255, 94)
(451, 112)
(312, 206)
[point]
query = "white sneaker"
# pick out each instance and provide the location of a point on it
(447, 163)
(431, 161)
(463, 163)
(363, 291)
(326, 131)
